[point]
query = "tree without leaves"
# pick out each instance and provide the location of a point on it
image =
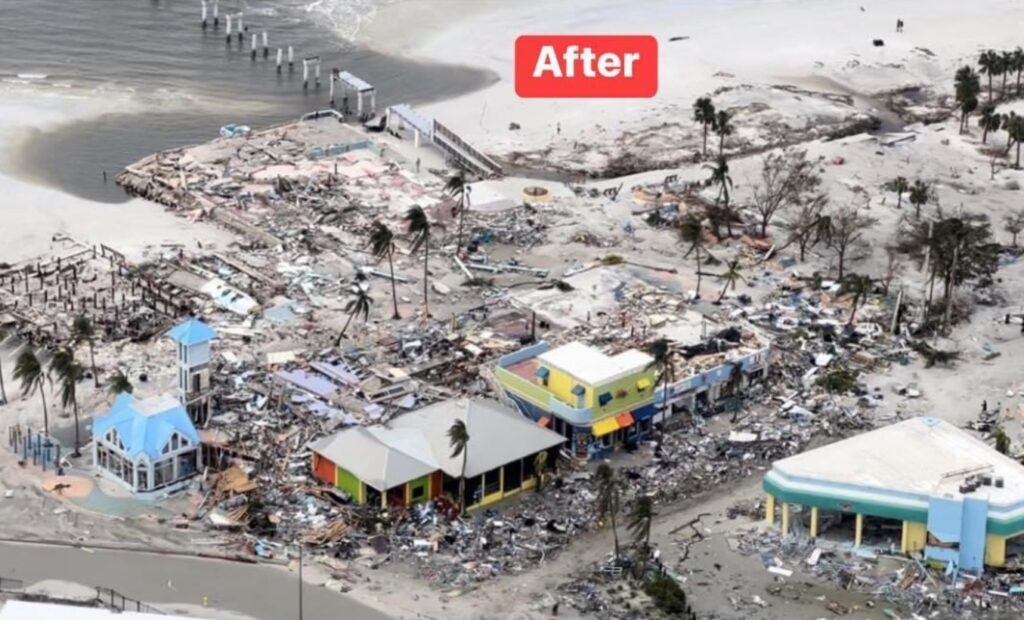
(893, 267)
(66, 372)
(29, 373)
(382, 245)
(704, 113)
(418, 228)
(846, 229)
(786, 178)
(805, 227)
(1014, 224)
(608, 499)
(723, 127)
(82, 330)
(458, 440)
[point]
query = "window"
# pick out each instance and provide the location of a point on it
(604, 399)
(174, 441)
(418, 492)
(543, 373)
(621, 394)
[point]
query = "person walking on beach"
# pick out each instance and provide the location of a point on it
(899, 25)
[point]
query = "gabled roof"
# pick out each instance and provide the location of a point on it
(144, 426)
(497, 435)
(416, 444)
(378, 456)
(192, 331)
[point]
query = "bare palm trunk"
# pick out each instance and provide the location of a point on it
(426, 277)
(615, 535)
(704, 149)
(3, 391)
(92, 362)
(721, 295)
(394, 290)
(462, 217)
(1018, 154)
(78, 440)
(952, 287)
(342, 334)
(696, 294)
(46, 413)
(462, 481)
(990, 88)
(721, 143)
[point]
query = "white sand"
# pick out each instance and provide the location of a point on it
(730, 43)
(32, 214)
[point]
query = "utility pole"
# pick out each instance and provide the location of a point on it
(300, 580)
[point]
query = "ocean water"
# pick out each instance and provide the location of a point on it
(184, 83)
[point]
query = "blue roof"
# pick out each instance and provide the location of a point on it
(144, 426)
(192, 331)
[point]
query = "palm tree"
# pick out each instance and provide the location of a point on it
(968, 86)
(82, 330)
(691, 233)
(608, 499)
(989, 62)
(1015, 127)
(29, 372)
(1018, 65)
(120, 383)
(966, 107)
(357, 306)
(67, 372)
(1006, 122)
(919, 195)
(458, 439)
(704, 113)
(1002, 440)
(382, 245)
(3, 390)
(730, 277)
(661, 354)
(988, 121)
(1005, 68)
(900, 185)
(640, 518)
(720, 177)
(540, 465)
(723, 127)
(457, 188)
(418, 227)
(860, 286)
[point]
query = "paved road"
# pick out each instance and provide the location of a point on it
(264, 592)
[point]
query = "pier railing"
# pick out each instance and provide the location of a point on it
(116, 600)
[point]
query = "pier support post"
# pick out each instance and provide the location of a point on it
(266, 50)
(305, 75)
(280, 55)
(216, 19)
(785, 519)
(253, 51)
(204, 14)
(373, 101)
(331, 96)
(316, 72)
(291, 58)
(227, 37)
(769, 500)
(359, 104)
(814, 521)
(416, 138)
(241, 28)
(858, 530)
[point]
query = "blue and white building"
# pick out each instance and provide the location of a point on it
(146, 445)
(193, 338)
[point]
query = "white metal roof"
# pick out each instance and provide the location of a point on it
(925, 456)
(592, 366)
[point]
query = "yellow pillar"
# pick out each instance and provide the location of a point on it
(859, 530)
(916, 535)
(903, 538)
(995, 550)
(814, 521)
(785, 519)
(769, 509)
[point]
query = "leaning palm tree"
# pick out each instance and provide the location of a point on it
(704, 113)
(860, 286)
(1005, 68)
(357, 306)
(691, 233)
(720, 177)
(989, 62)
(29, 372)
(661, 354)
(457, 188)
(919, 195)
(1015, 127)
(608, 499)
(82, 331)
(900, 185)
(458, 439)
(1018, 65)
(640, 518)
(120, 383)
(988, 121)
(967, 86)
(730, 277)
(723, 127)
(3, 390)
(382, 244)
(67, 372)
(418, 228)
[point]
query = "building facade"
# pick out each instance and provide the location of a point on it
(146, 445)
(410, 460)
(594, 400)
(193, 338)
(955, 499)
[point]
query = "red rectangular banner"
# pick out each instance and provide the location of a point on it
(564, 66)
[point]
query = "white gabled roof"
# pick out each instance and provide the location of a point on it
(592, 366)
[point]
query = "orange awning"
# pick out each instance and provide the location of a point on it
(544, 422)
(624, 419)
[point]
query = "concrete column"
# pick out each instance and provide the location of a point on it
(904, 536)
(373, 102)
(785, 519)
(769, 509)
(416, 138)
(359, 103)
(814, 521)
(995, 550)
(858, 531)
